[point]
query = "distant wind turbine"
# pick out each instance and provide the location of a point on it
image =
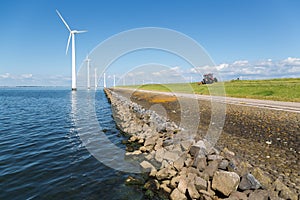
(104, 81)
(88, 71)
(114, 80)
(96, 81)
(71, 35)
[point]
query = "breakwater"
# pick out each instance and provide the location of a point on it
(181, 167)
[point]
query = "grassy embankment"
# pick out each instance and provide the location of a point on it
(273, 89)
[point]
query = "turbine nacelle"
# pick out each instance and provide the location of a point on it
(75, 31)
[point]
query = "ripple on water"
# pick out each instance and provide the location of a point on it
(41, 155)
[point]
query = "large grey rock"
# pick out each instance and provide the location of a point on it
(225, 182)
(192, 191)
(262, 177)
(174, 182)
(177, 195)
(238, 196)
(165, 188)
(182, 185)
(223, 164)
(200, 183)
(159, 155)
(185, 145)
(248, 182)
(200, 163)
(179, 163)
(259, 195)
(171, 156)
(214, 157)
(165, 173)
(212, 168)
(148, 167)
(284, 191)
(151, 141)
(198, 148)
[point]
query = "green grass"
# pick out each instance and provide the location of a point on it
(273, 89)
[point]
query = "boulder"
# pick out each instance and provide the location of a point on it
(212, 168)
(225, 182)
(223, 164)
(146, 167)
(165, 188)
(171, 155)
(200, 163)
(192, 191)
(182, 185)
(238, 196)
(200, 183)
(248, 182)
(165, 173)
(174, 182)
(177, 195)
(159, 155)
(151, 141)
(261, 176)
(198, 148)
(243, 168)
(284, 191)
(185, 145)
(214, 157)
(179, 163)
(259, 195)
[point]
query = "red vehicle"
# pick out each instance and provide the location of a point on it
(208, 79)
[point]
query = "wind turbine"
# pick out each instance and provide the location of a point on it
(71, 35)
(114, 80)
(88, 71)
(96, 80)
(104, 80)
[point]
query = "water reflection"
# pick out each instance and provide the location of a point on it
(92, 136)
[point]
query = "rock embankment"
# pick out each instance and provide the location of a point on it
(183, 168)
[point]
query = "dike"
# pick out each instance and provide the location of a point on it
(179, 167)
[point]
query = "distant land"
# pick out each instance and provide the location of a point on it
(279, 89)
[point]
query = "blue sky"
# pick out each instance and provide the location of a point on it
(244, 38)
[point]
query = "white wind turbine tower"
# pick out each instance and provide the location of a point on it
(88, 71)
(104, 80)
(96, 80)
(71, 35)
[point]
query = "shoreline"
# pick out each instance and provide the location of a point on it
(172, 164)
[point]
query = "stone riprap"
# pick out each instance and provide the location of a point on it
(182, 167)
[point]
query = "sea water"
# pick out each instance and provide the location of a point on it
(41, 154)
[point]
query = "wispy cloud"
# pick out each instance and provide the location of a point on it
(289, 67)
(29, 79)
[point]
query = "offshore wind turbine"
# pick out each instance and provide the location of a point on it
(71, 35)
(88, 71)
(96, 81)
(114, 80)
(104, 80)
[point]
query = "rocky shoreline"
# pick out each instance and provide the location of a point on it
(182, 167)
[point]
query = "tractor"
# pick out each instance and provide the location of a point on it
(208, 79)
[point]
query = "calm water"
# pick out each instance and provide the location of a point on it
(41, 154)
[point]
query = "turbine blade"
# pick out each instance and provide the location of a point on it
(68, 44)
(63, 20)
(84, 31)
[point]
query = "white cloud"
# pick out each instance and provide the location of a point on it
(262, 69)
(291, 61)
(8, 79)
(6, 75)
(26, 76)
